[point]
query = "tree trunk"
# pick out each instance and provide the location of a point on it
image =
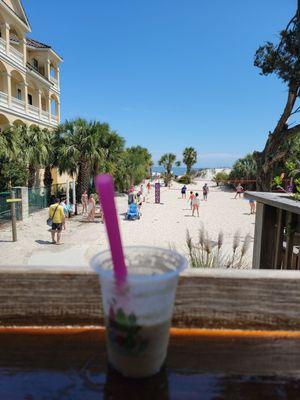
(274, 150)
(31, 177)
(48, 182)
(83, 178)
(47, 176)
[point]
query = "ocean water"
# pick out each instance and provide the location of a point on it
(176, 170)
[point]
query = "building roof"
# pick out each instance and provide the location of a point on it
(22, 15)
(41, 46)
(36, 44)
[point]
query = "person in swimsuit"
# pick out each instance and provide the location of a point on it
(84, 202)
(91, 209)
(183, 192)
(195, 204)
(191, 199)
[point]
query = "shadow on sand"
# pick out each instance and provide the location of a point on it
(43, 242)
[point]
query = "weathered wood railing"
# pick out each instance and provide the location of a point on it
(277, 231)
(206, 298)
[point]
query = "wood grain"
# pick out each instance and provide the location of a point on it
(278, 200)
(212, 298)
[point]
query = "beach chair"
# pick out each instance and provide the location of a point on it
(133, 212)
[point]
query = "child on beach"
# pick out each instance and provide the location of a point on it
(191, 199)
(183, 192)
(195, 204)
(205, 192)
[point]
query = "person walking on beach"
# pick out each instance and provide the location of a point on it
(252, 206)
(239, 190)
(84, 202)
(139, 198)
(57, 215)
(191, 199)
(91, 209)
(183, 192)
(131, 196)
(205, 192)
(142, 190)
(148, 188)
(195, 204)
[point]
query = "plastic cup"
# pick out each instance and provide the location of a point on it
(138, 312)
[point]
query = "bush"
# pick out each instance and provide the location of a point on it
(185, 179)
(221, 178)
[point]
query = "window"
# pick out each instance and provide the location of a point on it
(30, 99)
(19, 94)
(35, 64)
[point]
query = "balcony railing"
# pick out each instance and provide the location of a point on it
(16, 55)
(3, 99)
(17, 104)
(32, 110)
(45, 116)
(2, 45)
(54, 81)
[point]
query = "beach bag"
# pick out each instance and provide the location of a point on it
(50, 220)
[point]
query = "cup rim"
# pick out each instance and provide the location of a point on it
(108, 274)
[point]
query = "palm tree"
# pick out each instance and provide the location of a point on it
(167, 160)
(10, 157)
(245, 168)
(137, 163)
(189, 159)
(81, 150)
(9, 143)
(50, 160)
(33, 144)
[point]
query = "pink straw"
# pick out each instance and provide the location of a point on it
(105, 187)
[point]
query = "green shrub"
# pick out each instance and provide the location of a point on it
(221, 178)
(185, 179)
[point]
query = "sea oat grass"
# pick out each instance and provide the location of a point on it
(208, 254)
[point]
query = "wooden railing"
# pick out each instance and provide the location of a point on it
(206, 298)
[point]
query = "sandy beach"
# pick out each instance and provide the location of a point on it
(162, 225)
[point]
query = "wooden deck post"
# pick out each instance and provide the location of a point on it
(279, 239)
(258, 235)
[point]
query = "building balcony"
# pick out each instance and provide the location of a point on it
(55, 82)
(13, 53)
(26, 111)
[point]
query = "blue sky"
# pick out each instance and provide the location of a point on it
(167, 74)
